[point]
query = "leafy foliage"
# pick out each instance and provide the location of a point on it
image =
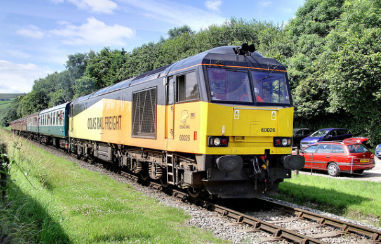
(331, 50)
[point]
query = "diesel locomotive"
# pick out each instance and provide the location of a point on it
(218, 123)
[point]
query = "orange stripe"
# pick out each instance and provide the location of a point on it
(218, 65)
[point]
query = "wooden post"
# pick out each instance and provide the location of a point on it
(297, 153)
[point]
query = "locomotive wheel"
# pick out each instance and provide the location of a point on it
(193, 192)
(144, 174)
(164, 181)
(136, 166)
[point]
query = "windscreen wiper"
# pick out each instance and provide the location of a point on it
(268, 75)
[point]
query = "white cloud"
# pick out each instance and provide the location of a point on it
(213, 5)
(33, 32)
(17, 53)
(265, 3)
(16, 78)
(63, 22)
(94, 32)
(103, 6)
(175, 13)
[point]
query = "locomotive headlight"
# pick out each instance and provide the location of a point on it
(217, 141)
(282, 142)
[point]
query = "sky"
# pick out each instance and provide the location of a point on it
(36, 36)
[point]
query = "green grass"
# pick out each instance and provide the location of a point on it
(4, 104)
(63, 203)
(351, 198)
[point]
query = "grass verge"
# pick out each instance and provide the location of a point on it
(358, 200)
(59, 202)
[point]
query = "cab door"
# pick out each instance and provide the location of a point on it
(169, 108)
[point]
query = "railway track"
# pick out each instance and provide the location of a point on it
(292, 225)
(306, 227)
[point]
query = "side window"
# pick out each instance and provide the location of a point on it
(337, 149)
(311, 149)
(187, 87)
(324, 148)
(333, 133)
(299, 133)
(170, 96)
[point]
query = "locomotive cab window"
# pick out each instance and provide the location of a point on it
(187, 87)
(229, 85)
(270, 87)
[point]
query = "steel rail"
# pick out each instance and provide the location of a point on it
(374, 235)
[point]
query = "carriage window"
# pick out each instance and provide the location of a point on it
(187, 87)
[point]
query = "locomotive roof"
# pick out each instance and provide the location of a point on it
(224, 55)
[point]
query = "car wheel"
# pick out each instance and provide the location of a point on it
(333, 169)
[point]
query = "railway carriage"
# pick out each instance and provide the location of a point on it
(219, 123)
(32, 125)
(53, 125)
(16, 125)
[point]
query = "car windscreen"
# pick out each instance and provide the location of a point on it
(357, 148)
(319, 133)
(229, 85)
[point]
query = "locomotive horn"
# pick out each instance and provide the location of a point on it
(252, 48)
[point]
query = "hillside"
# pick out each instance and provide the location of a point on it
(10, 96)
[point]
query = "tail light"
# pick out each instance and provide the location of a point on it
(218, 141)
(282, 141)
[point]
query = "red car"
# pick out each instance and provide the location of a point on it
(361, 137)
(336, 157)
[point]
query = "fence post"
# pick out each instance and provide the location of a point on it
(297, 153)
(4, 163)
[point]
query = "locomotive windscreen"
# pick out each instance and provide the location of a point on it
(236, 85)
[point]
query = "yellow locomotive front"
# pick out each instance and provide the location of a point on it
(239, 129)
(217, 123)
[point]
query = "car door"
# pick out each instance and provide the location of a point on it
(308, 154)
(338, 155)
(322, 156)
